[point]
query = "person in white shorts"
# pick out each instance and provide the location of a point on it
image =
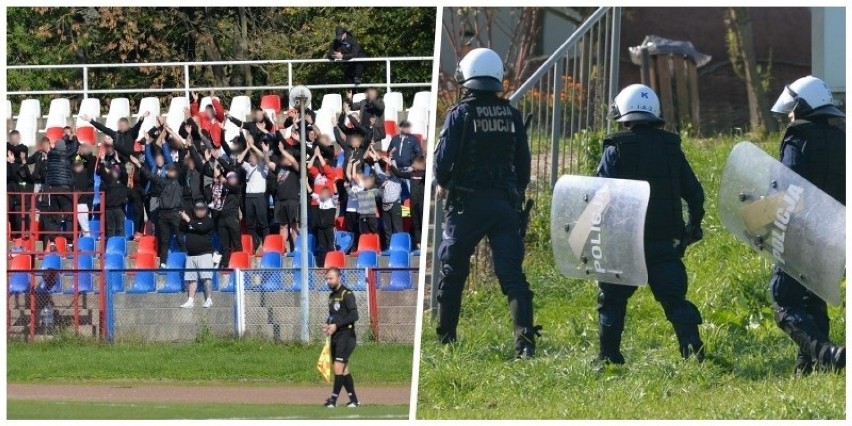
(199, 253)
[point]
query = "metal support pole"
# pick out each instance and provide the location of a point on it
(305, 298)
(85, 82)
(438, 225)
(186, 80)
(388, 76)
(615, 47)
(556, 130)
(290, 75)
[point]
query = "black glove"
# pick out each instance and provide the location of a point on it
(692, 233)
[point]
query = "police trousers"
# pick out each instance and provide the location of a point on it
(497, 219)
(796, 307)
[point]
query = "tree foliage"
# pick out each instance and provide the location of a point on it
(70, 35)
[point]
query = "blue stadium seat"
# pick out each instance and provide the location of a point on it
(271, 260)
(97, 198)
(366, 259)
(143, 282)
(85, 281)
(344, 240)
(356, 276)
(174, 279)
(51, 262)
(128, 229)
(86, 244)
(400, 241)
(271, 281)
(19, 282)
(231, 283)
(95, 228)
(117, 245)
(297, 274)
(312, 244)
(399, 280)
(115, 280)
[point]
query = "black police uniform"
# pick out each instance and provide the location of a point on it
(815, 149)
(483, 150)
(342, 312)
(648, 153)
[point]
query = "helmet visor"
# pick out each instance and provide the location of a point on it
(786, 103)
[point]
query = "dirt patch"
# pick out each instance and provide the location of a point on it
(304, 395)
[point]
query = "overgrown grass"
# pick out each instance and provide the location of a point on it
(208, 361)
(20, 410)
(748, 373)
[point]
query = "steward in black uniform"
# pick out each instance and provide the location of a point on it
(342, 315)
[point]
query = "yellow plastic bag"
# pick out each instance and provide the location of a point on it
(324, 361)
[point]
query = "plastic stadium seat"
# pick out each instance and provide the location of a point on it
(54, 133)
(61, 245)
(418, 118)
(59, 107)
(344, 240)
(114, 280)
(422, 100)
(335, 258)
(86, 245)
(19, 282)
(297, 275)
(273, 243)
(358, 97)
(399, 280)
(8, 109)
(118, 108)
(145, 280)
(369, 242)
(240, 106)
(312, 244)
(86, 134)
(393, 100)
(326, 121)
(271, 102)
(391, 126)
(332, 102)
(248, 243)
(85, 280)
(30, 107)
(174, 279)
(151, 104)
(147, 244)
(90, 107)
(26, 124)
(95, 225)
(400, 241)
(239, 260)
(117, 245)
(207, 100)
(271, 260)
(175, 115)
(128, 229)
(51, 262)
(367, 259)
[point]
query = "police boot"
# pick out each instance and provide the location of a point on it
(525, 332)
(525, 341)
(804, 363)
(689, 341)
(812, 341)
(610, 344)
(449, 309)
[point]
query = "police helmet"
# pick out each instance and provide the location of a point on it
(807, 97)
(636, 102)
(481, 69)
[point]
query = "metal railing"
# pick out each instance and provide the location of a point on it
(186, 87)
(567, 100)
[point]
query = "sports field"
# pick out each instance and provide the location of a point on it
(69, 378)
(748, 373)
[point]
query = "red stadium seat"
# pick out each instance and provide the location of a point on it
(239, 259)
(146, 261)
(248, 243)
(54, 133)
(86, 135)
(61, 245)
(272, 102)
(21, 263)
(147, 244)
(391, 128)
(368, 242)
(335, 258)
(273, 243)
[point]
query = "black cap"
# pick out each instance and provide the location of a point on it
(200, 205)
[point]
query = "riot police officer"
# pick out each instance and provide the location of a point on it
(814, 146)
(644, 151)
(482, 167)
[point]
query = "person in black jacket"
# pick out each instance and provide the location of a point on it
(372, 110)
(343, 48)
(114, 185)
(259, 125)
(19, 185)
(287, 192)
(169, 205)
(342, 315)
(58, 186)
(84, 186)
(416, 176)
(125, 137)
(199, 253)
(225, 204)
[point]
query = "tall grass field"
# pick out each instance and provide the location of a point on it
(748, 373)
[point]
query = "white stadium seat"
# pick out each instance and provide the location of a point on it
(326, 121)
(175, 115)
(418, 118)
(358, 97)
(152, 105)
(240, 107)
(26, 125)
(59, 106)
(56, 119)
(207, 100)
(118, 108)
(30, 107)
(332, 102)
(231, 130)
(8, 109)
(422, 100)
(90, 107)
(393, 100)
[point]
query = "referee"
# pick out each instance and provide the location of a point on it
(342, 314)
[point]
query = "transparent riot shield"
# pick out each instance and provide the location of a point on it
(785, 218)
(597, 228)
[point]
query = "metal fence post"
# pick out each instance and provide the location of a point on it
(186, 80)
(239, 304)
(556, 130)
(85, 82)
(614, 65)
(290, 75)
(438, 230)
(388, 80)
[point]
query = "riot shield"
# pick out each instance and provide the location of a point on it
(785, 218)
(597, 227)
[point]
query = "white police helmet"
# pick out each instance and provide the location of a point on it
(807, 96)
(481, 69)
(636, 102)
